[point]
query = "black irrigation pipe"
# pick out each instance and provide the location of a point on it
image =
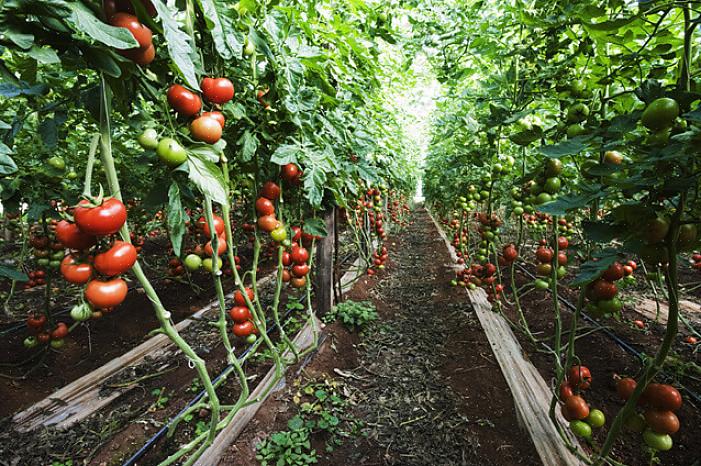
(157, 436)
(626, 346)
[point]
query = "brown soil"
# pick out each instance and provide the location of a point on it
(422, 379)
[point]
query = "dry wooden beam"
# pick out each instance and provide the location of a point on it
(323, 290)
(648, 308)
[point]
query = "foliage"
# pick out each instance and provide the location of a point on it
(352, 314)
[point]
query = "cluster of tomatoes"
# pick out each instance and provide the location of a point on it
(242, 317)
(696, 261)
(657, 421)
(42, 335)
(545, 255)
(205, 127)
(488, 230)
(48, 253)
(574, 407)
(398, 210)
(379, 258)
(36, 278)
(546, 185)
(265, 208)
(375, 215)
(120, 13)
(602, 292)
(295, 260)
(194, 261)
(93, 220)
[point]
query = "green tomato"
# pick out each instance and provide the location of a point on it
(552, 185)
(81, 312)
(44, 262)
(596, 418)
(171, 152)
(659, 138)
(54, 264)
(561, 272)
(577, 113)
(71, 175)
(575, 130)
(660, 114)
(250, 48)
(57, 162)
(453, 283)
(535, 189)
(279, 234)
(208, 264)
(193, 262)
(542, 198)
(250, 339)
(58, 255)
(635, 422)
(472, 286)
(484, 195)
(580, 429)
(541, 284)
(578, 88)
(518, 211)
(148, 139)
(30, 342)
(553, 167)
(659, 442)
(56, 344)
(610, 306)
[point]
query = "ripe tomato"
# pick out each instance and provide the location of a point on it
(268, 223)
(106, 294)
(221, 246)
(270, 190)
(299, 255)
(218, 222)
(579, 377)
(240, 314)
(264, 206)
(614, 272)
(562, 243)
(243, 329)
(603, 289)
(510, 253)
(36, 322)
(183, 101)
(71, 237)
(300, 282)
(101, 220)
(565, 390)
(239, 300)
(625, 387)
(296, 233)
(140, 56)
(577, 407)
(286, 259)
(217, 90)
(663, 397)
(218, 116)
(290, 172)
(562, 258)
(627, 270)
(75, 272)
(544, 255)
(60, 332)
(286, 275)
(300, 270)
(141, 33)
(206, 129)
(117, 259)
(43, 337)
(662, 422)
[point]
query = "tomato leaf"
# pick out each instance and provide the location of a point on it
(10, 90)
(7, 165)
(180, 46)
(208, 178)
(44, 55)
(227, 40)
(315, 226)
(286, 153)
(83, 20)
(13, 274)
(176, 218)
(249, 145)
(563, 204)
(17, 37)
(591, 270)
(572, 146)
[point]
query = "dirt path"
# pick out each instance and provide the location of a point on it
(423, 378)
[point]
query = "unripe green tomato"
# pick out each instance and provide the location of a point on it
(542, 198)
(518, 211)
(453, 283)
(552, 185)
(56, 344)
(279, 234)
(635, 422)
(54, 264)
(57, 162)
(71, 175)
(561, 272)
(208, 264)
(30, 342)
(610, 306)
(484, 195)
(250, 48)
(541, 284)
(580, 429)
(660, 114)
(250, 339)
(535, 189)
(596, 418)
(498, 168)
(472, 286)
(171, 152)
(659, 442)
(462, 199)
(44, 262)
(81, 312)
(148, 139)
(193, 262)
(471, 205)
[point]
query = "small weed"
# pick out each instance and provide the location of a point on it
(352, 314)
(161, 399)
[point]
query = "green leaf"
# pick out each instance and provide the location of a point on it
(13, 274)
(10, 90)
(85, 21)
(572, 146)
(591, 270)
(176, 218)
(208, 178)
(569, 202)
(315, 226)
(249, 145)
(7, 165)
(17, 37)
(44, 55)
(296, 423)
(286, 153)
(228, 41)
(180, 46)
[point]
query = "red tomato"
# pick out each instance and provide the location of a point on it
(60, 332)
(627, 270)
(300, 270)
(602, 289)
(562, 242)
(299, 255)
(300, 282)
(206, 129)
(239, 300)
(36, 322)
(614, 272)
(106, 294)
(663, 397)
(296, 233)
(141, 33)
(270, 190)
(510, 253)
(217, 90)
(43, 337)
(632, 264)
(579, 377)
(183, 101)
(218, 116)
(565, 391)
(544, 255)
(625, 387)
(662, 422)
(264, 206)
(286, 275)
(240, 314)
(219, 225)
(101, 220)
(221, 246)
(577, 407)
(639, 323)
(71, 237)
(268, 223)
(117, 259)
(286, 260)
(75, 272)
(290, 172)
(140, 56)
(243, 329)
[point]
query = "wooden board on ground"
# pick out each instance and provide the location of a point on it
(648, 309)
(530, 392)
(82, 397)
(231, 432)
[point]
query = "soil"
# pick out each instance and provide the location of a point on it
(422, 378)
(604, 357)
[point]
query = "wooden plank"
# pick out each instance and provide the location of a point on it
(81, 398)
(323, 290)
(230, 433)
(648, 308)
(530, 392)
